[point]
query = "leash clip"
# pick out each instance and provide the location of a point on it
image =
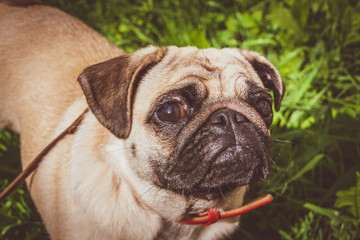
(213, 216)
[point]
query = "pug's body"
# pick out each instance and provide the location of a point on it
(171, 131)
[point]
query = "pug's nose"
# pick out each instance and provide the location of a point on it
(227, 118)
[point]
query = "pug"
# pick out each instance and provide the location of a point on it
(170, 132)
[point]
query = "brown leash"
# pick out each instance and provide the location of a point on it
(35, 163)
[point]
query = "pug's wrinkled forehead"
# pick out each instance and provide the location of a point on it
(216, 73)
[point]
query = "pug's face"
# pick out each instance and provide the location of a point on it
(195, 122)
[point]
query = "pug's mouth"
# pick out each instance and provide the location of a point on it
(213, 178)
(234, 167)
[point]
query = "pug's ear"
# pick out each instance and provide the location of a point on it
(110, 87)
(268, 74)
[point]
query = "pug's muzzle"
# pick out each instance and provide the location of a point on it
(225, 152)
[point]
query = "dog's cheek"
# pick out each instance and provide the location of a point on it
(143, 148)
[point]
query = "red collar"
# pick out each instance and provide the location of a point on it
(213, 215)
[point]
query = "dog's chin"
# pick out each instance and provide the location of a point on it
(232, 168)
(219, 192)
(214, 193)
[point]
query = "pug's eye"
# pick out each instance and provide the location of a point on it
(172, 112)
(263, 107)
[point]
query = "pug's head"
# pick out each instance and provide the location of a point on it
(195, 121)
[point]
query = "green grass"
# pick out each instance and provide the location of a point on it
(316, 134)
